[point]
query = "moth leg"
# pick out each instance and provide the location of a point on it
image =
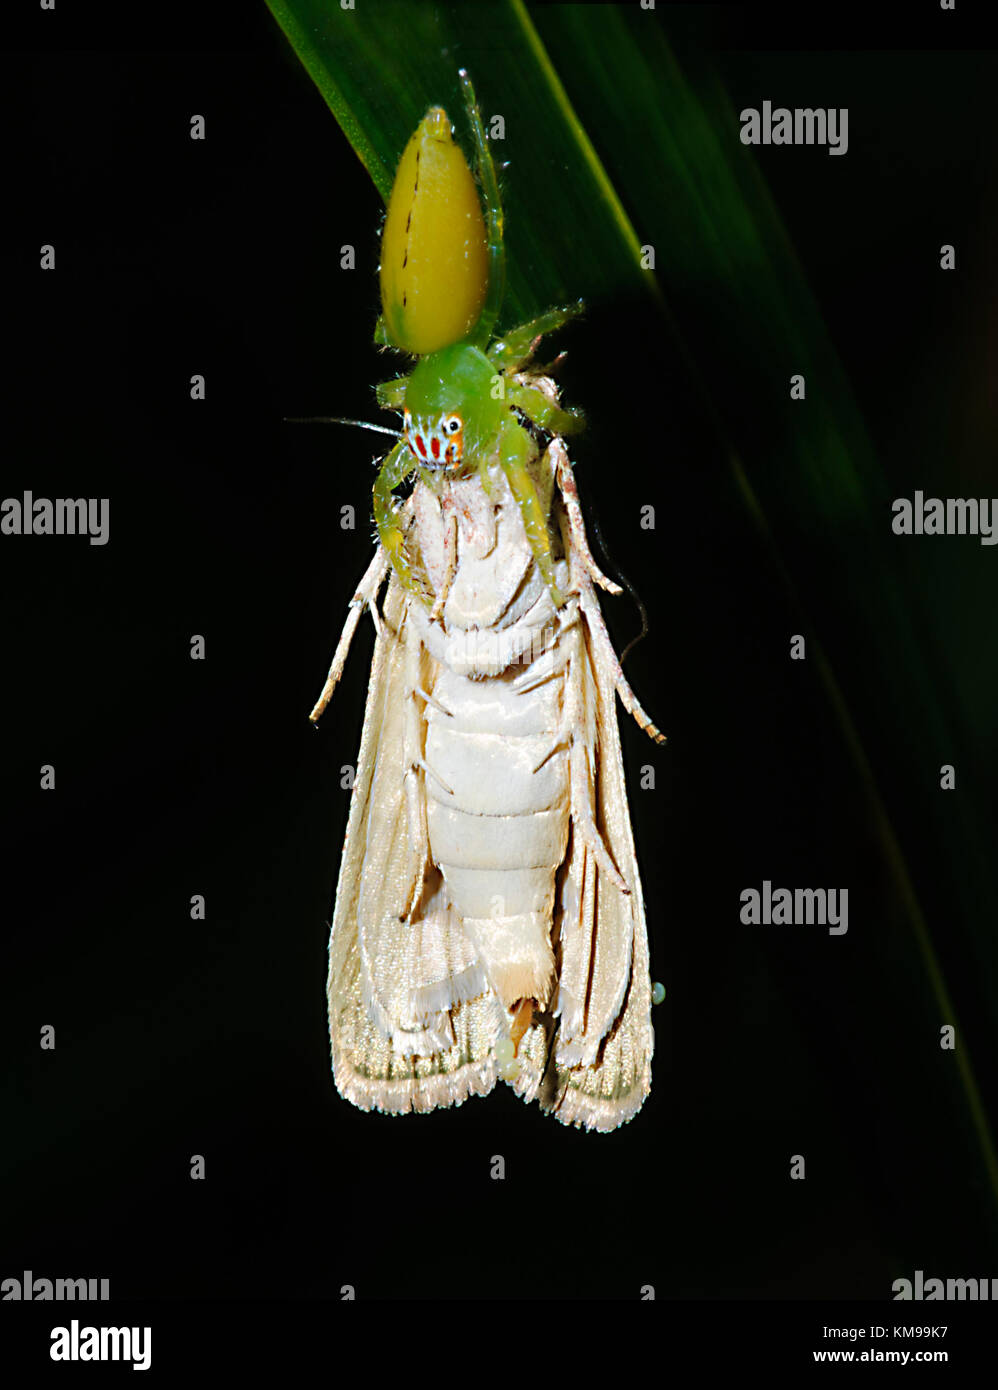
(365, 597)
(430, 700)
(562, 739)
(379, 627)
(450, 559)
(582, 817)
(580, 770)
(597, 629)
(552, 664)
(387, 514)
(628, 699)
(518, 345)
(565, 479)
(516, 449)
(412, 761)
(545, 668)
(425, 766)
(412, 741)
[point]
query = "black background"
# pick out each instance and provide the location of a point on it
(176, 777)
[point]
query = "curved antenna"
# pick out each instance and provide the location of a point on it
(339, 420)
(482, 331)
(625, 582)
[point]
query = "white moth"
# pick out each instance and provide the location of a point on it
(489, 922)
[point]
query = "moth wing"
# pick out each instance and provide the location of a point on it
(405, 1032)
(604, 1043)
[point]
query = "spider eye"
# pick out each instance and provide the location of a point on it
(452, 424)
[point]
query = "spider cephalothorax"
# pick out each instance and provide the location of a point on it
(449, 417)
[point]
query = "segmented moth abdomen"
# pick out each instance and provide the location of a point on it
(498, 812)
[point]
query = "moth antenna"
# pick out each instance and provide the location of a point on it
(625, 583)
(339, 420)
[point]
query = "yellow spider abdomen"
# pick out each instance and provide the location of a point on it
(434, 253)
